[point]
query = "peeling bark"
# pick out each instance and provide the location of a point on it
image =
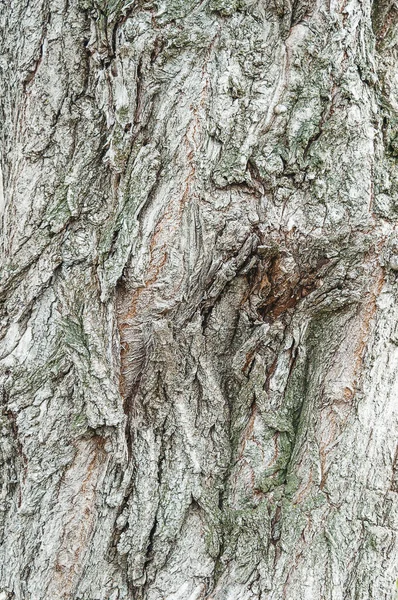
(198, 340)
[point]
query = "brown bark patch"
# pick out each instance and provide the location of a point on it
(76, 500)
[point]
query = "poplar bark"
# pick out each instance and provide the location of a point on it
(198, 319)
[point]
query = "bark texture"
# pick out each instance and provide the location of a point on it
(199, 340)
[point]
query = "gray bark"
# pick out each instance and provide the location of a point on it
(199, 341)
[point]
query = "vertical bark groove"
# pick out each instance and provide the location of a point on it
(198, 347)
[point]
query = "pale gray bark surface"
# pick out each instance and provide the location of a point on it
(199, 341)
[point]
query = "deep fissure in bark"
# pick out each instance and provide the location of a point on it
(198, 344)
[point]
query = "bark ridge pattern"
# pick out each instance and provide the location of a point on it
(198, 319)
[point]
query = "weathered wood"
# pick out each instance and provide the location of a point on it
(199, 260)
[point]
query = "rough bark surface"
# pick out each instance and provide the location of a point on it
(199, 340)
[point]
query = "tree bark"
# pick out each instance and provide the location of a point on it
(199, 343)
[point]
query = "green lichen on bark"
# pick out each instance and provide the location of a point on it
(197, 350)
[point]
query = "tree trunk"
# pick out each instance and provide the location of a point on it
(199, 340)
